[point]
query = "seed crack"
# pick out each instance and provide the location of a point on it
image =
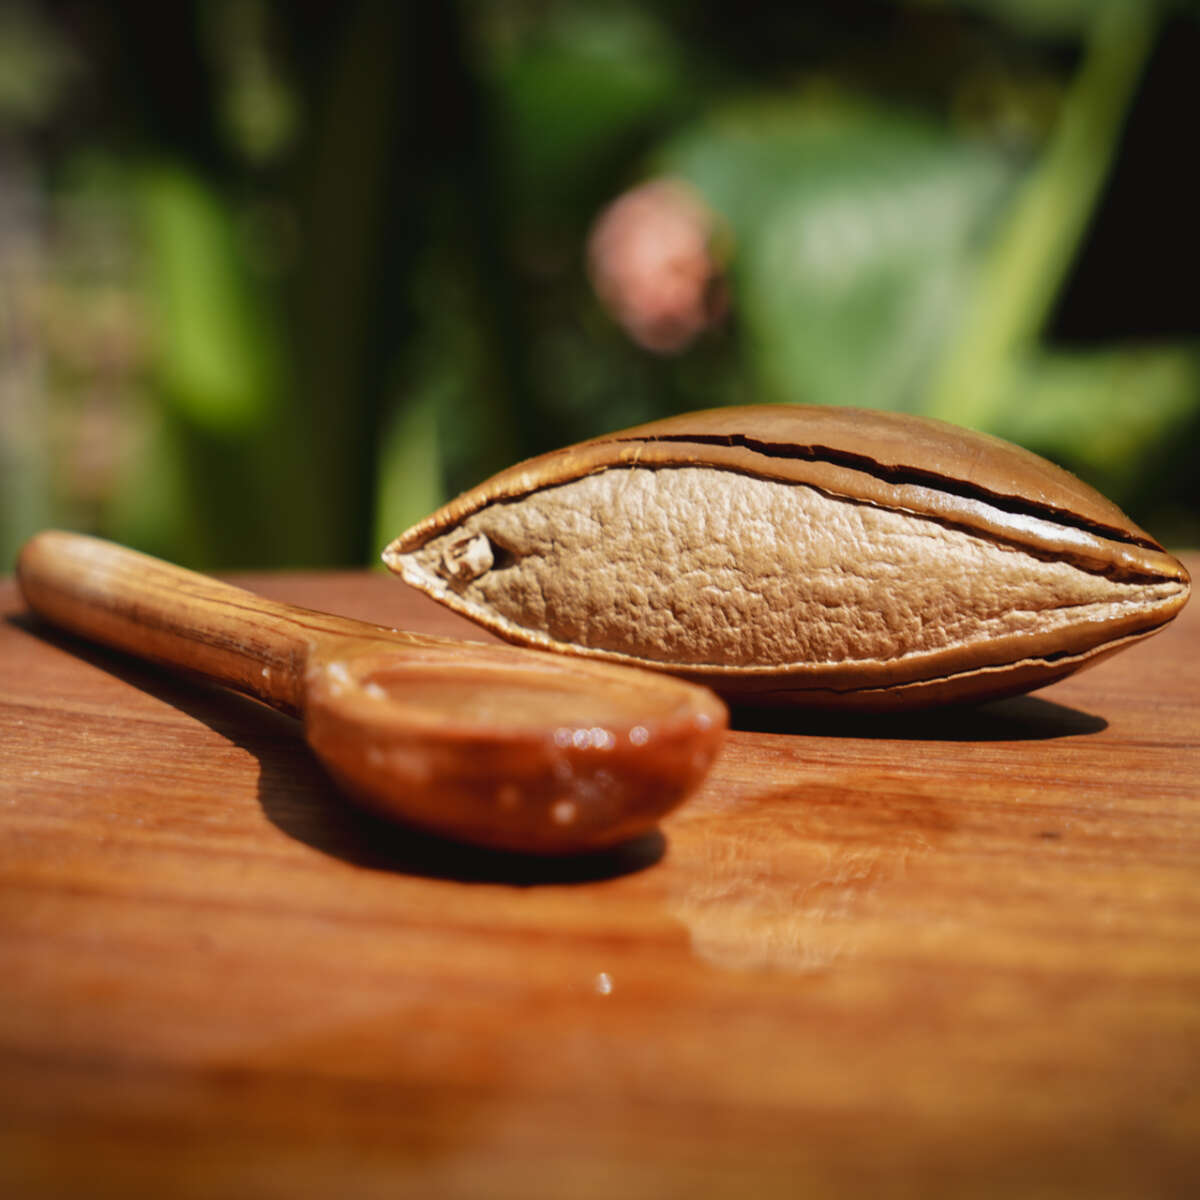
(899, 475)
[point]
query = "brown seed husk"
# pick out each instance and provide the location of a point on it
(766, 584)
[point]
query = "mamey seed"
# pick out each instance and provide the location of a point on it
(802, 555)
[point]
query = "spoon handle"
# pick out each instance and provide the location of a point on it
(173, 616)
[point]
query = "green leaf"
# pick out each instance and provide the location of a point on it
(1040, 238)
(216, 358)
(573, 95)
(856, 235)
(1102, 413)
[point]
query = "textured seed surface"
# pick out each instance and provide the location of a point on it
(802, 555)
(760, 573)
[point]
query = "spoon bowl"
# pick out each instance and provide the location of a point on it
(530, 755)
(493, 745)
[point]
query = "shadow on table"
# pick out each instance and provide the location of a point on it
(1015, 719)
(379, 844)
(299, 799)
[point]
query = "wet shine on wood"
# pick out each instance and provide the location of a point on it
(925, 956)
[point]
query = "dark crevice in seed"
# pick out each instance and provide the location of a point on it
(899, 475)
(502, 556)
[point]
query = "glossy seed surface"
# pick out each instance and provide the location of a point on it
(802, 555)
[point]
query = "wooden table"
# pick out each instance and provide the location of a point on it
(946, 956)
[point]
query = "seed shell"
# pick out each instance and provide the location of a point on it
(802, 555)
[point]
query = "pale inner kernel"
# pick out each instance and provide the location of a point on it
(695, 565)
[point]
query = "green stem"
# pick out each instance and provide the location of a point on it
(1029, 262)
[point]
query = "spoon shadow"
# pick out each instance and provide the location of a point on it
(1014, 719)
(376, 843)
(301, 801)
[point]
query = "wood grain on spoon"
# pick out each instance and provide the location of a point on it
(493, 745)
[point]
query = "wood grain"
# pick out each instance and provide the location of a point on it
(938, 956)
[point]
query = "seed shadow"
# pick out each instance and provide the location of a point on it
(301, 801)
(1014, 719)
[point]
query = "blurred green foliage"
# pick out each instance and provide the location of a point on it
(278, 278)
(859, 232)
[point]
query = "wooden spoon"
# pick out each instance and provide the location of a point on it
(494, 745)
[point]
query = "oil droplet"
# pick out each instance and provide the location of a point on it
(564, 812)
(597, 738)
